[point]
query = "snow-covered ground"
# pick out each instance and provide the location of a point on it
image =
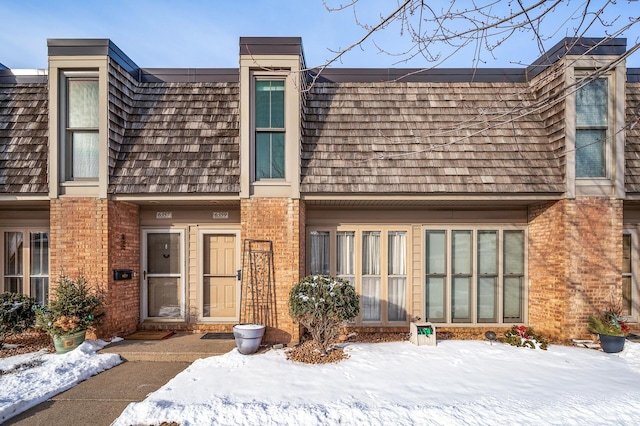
(29, 379)
(455, 382)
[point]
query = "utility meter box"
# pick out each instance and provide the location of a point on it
(422, 333)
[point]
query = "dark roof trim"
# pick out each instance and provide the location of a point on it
(577, 46)
(2, 67)
(270, 45)
(190, 75)
(92, 46)
(8, 77)
(633, 75)
(416, 75)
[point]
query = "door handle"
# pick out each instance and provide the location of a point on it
(144, 275)
(239, 275)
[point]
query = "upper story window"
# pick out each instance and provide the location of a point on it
(269, 129)
(591, 130)
(80, 148)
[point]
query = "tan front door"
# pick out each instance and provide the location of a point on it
(220, 285)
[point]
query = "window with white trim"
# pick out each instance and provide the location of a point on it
(25, 263)
(373, 260)
(269, 148)
(592, 110)
(80, 120)
(474, 275)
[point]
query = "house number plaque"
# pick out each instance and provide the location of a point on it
(164, 215)
(221, 215)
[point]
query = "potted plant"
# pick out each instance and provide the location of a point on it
(74, 308)
(610, 328)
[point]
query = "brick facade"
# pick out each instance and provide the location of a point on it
(575, 255)
(86, 238)
(280, 220)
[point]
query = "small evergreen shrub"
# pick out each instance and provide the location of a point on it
(523, 336)
(74, 307)
(16, 314)
(322, 304)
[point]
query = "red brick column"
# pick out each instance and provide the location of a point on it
(575, 262)
(86, 239)
(280, 220)
(124, 253)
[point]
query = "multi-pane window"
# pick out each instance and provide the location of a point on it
(25, 263)
(81, 145)
(591, 129)
(474, 276)
(373, 260)
(269, 129)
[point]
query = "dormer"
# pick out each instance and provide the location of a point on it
(78, 115)
(594, 120)
(271, 86)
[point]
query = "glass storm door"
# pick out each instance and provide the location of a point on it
(163, 274)
(220, 284)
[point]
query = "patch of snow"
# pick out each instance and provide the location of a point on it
(456, 382)
(49, 374)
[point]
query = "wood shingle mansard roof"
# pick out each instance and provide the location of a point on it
(369, 131)
(24, 131)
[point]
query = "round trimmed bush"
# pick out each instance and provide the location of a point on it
(322, 304)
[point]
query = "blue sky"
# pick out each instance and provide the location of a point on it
(201, 33)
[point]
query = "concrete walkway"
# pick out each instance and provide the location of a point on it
(148, 365)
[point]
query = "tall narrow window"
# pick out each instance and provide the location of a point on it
(39, 270)
(371, 276)
(487, 276)
(346, 255)
(82, 120)
(397, 276)
(461, 276)
(513, 276)
(13, 262)
(269, 129)
(320, 252)
(436, 269)
(591, 129)
(627, 298)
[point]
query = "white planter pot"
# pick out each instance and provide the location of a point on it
(248, 337)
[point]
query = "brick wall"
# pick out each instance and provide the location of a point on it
(281, 221)
(86, 239)
(124, 253)
(575, 261)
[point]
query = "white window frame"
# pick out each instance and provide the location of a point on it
(384, 269)
(473, 314)
(26, 257)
